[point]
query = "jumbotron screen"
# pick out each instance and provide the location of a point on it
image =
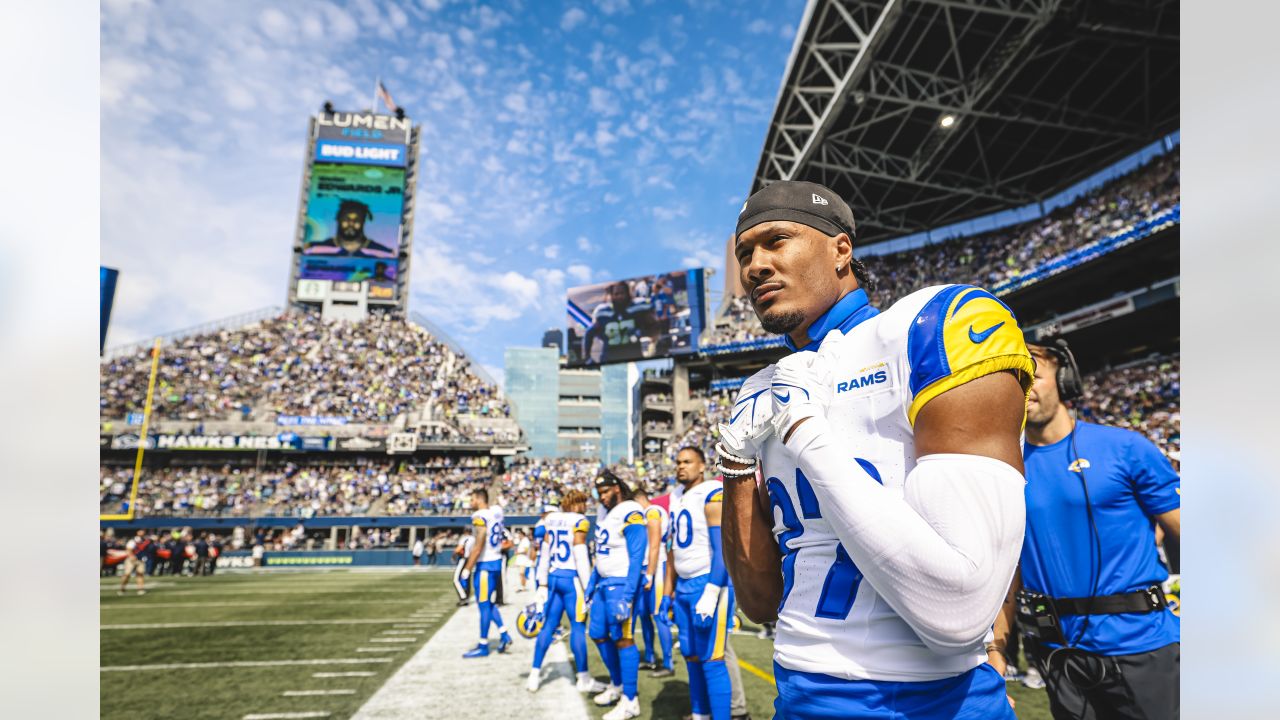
(642, 318)
(355, 203)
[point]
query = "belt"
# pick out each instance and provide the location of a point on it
(1146, 600)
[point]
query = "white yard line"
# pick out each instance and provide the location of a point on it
(242, 664)
(393, 639)
(286, 715)
(356, 673)
(251, 623)
(387, 649)
(134, 607)
(307, 693)
(403, 632)
(437, 682)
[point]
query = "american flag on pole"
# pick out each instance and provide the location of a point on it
(386, 97)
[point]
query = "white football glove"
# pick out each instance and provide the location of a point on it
(540, 596)
(749, 426)
(706, 605)
(801, 389)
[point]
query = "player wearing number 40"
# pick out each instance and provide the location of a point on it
(887, 517)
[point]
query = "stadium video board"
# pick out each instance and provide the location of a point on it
(355, 202)
(352, 230)
(642, 318)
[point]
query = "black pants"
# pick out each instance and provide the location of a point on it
(1084, 686)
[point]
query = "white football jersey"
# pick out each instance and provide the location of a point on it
(611, 547)
(558, 540)
(490, 519)
(659, 512)
(886, 368)
(691, 545)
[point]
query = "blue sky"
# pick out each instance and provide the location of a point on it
(563, 143)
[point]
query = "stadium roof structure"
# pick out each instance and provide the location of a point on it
(922, 113)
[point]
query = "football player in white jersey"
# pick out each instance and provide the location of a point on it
(460, 555)
(486, 562)
(621, 545)
(699, 589)
(890, 515)
(564, 569)
(651, 611)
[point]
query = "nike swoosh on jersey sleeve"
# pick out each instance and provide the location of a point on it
(945, 349)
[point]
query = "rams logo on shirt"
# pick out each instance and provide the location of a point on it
(1078, 465)
(877, 374)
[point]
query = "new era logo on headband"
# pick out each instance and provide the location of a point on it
(819, 200)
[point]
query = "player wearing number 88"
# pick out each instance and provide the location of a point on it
(889, 516)
(484, 568)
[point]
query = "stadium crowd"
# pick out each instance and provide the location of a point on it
(296, 489)
(300, 364)
(988, 259)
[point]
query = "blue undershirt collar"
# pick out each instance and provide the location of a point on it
(846, 314)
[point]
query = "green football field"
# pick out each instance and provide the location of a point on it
(320, 643)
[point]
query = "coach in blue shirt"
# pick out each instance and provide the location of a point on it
(1094, 496)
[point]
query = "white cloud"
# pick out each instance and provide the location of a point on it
(585, 245)
(580, 274)
(551, 252)
(602, 101)
(759, 26)
(611, 7)
(516, 103)
(667, 214)
(277, 25)
(572, 18)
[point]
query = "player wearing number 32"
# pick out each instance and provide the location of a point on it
(888, 518)
(622, 543)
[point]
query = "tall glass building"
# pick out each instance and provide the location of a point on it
(533, 387)
(571, 412)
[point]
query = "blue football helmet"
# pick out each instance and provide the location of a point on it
(529, 621)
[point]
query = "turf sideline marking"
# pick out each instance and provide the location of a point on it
(387, 649)
(393, 639)
(767, 677)
(286, 715)
(251, 623)
(242, 663)
(437, 682)
(356, 673)
(306, 693)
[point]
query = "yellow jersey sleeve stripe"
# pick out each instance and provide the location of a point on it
(582, 526)
(633, 518)
(479, 521)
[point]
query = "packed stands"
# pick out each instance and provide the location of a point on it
(439, 486)
(297, 364)
(1139, 201)
(1143, 396)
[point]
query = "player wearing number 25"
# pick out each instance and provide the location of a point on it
(886, 518)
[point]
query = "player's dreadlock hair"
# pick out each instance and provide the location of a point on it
(864, 278)
(355, 206)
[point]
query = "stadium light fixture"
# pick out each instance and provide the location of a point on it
(947, 121)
